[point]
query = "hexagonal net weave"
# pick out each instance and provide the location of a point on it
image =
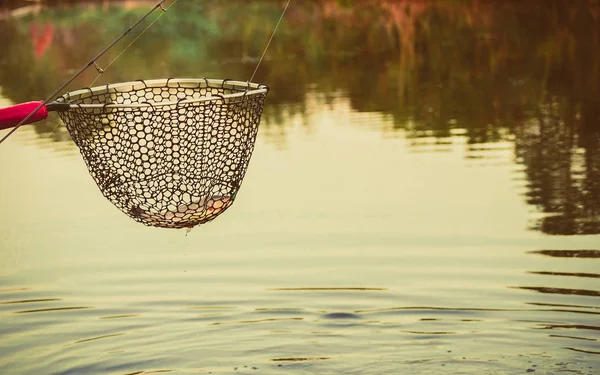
(168, 153)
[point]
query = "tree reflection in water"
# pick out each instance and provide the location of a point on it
(520, 71)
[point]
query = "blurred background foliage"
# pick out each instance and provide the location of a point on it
(520, 71)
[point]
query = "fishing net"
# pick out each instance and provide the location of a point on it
(168, 153)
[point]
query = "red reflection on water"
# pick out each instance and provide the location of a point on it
(41, 37)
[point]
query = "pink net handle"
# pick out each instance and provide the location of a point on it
(11, 116)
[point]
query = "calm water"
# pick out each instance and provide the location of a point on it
(424, 196)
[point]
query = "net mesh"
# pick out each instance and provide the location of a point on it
(168, 153)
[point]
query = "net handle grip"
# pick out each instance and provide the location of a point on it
(13, 115)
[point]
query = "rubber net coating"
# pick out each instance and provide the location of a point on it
(171, 163)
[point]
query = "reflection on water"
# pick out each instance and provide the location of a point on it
(416, 171)
(444, 72)
(265, 333)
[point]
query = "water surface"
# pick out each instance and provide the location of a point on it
(423, 196)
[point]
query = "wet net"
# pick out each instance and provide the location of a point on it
(168, 153)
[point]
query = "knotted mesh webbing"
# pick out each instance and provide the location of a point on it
(168, 153)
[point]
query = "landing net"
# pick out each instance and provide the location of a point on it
(169, 153)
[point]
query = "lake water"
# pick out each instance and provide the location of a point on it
(423, 197)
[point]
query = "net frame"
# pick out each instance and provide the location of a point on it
(242, 88)
(168, 153)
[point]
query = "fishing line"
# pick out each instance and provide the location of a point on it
(81, 70)
(132, 42)
(186, 180)
(269, 42)
(101, 71)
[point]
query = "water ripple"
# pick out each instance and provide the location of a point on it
(53, 309)
(31, 301)
(341, 315)
(569, 253)
(577, 292)
(211, 308)
(300, 359)
(119, 316)
(329, 289)
(268, 320)
(148, 372)
(430, 333)
(571, 326)
(583, 351)
(575, 274)
(573, 337)
(96, 338)
(561, 305)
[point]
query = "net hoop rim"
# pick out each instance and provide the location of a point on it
(255, 89)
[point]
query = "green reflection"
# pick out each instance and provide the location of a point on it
(520, 71)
